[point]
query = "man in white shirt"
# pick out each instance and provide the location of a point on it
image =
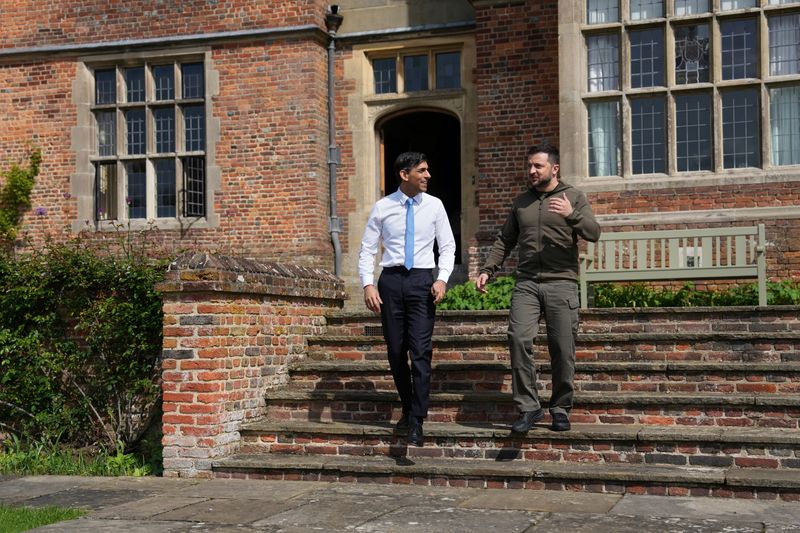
(408, 222)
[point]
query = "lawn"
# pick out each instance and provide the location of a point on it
(13, 519)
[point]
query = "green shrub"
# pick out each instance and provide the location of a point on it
(466, 296)
(80, 343)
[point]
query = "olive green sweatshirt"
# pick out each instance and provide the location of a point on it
(548, 242)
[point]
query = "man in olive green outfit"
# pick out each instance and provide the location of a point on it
(546, 221)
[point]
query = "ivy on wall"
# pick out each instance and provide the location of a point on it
(15, 195)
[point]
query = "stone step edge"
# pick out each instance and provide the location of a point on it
(348, 366)
(322, 340)
(582, 432)
(613, 397)
(528, 470)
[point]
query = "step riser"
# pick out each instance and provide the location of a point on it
(500, 381)
(553, 484)
(718, 351)
(714, 455)
(505, 413)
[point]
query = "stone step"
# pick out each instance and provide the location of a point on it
(616, 320)
(721, 346)
(486, 473)
(594, 443)
(477, 376)
(685, 409)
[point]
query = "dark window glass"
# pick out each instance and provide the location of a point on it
(166, 203)
(164, 79)
(134, 84)
(105, 87)
(193, 80)
(740, 137)
(135, 125)
(106, 132)
(164, 119)
(194, 185)
(195, 124)
(739, 49)
(105, 191)
(448, 70)
(693, 127)
(648, 135)
(692, 46)
(385, 74)
(137, 189)
(647, 58)
(415, 72)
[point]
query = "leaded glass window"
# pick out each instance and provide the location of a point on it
(647, 58)
(604, 138)
(691, 7)
(415, 73)
(784, 44)
(740, 135)
(693, 129)
(603, 52)
(648, 139)
(739, 49)
(784, 113)
(448, 70)
(692, 45)
(384, 72)
(602, 11)
(646, 9)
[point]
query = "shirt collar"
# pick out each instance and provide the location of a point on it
(403, 198)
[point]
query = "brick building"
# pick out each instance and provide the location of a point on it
(210, 119)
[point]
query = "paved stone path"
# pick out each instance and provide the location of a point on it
(159, 505)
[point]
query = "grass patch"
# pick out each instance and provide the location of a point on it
(13, 519)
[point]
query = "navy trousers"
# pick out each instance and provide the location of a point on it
(407, 316)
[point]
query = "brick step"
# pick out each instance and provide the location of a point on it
(616, 320)
(686, 409)
(485, 473)
(477, 376)
(594, 443)
(722, 346)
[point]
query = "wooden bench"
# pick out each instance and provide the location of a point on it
(716, 253)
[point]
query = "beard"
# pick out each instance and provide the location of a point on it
(542, 182)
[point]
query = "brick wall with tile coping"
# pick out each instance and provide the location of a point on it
(231, 326)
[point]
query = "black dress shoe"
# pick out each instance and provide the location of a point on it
(560, 422)
(415, 435)
(403, 422)
(526, 420)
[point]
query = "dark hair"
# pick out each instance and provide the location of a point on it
(545, 148)
(406, 161)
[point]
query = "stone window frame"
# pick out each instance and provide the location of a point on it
(85, 146)
(399, 53)
(574, 96)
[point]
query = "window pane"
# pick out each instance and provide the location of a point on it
(135, 125)
(648, 140)
(604, 139)
(691, 7)
(134, 84)
(784, 45)
(784, 111)
(194, 185)
(691, 54)
(693, 127)
(740, 138)
(727, 5)
(106, 132)
(166, 203)
(164, 79)
(385, 73)
(105, 87)
(603, 62)
(777, 2)
(448, 70)
(137, 189)
(105, 191)
(602, 11)
(646, 9)
(192, 78)
(647, 58)
(164, 119)
(195, 124)
(739, 53)
(415, 72)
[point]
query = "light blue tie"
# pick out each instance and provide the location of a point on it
(409, 263)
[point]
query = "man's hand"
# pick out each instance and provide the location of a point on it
(481, 282)
(560, 205)
(372, 299)
(438, 289)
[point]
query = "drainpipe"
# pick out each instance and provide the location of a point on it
(332, 22)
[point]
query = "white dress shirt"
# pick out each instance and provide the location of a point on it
(387, 224)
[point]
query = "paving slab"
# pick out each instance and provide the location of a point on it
(582, 523)
(82, 525)
(546, 501)
(452, 520)
(146, 508)
(771, 512)
(86, 498)
(250, 489)
(229, 511)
